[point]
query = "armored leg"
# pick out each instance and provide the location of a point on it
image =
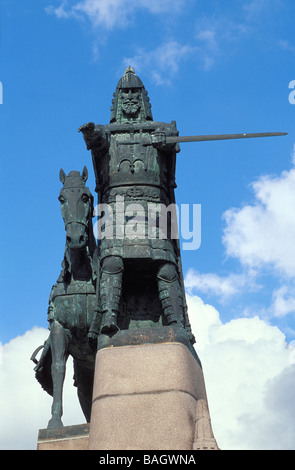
(170, 294)
(110, 292)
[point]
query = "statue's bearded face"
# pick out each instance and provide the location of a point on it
(131, 102)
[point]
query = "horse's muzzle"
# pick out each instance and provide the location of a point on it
(76, 235)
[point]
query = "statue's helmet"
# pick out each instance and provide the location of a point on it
(131, 101)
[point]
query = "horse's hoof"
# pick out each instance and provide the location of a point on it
(54, 423)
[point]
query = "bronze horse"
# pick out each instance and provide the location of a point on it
(72, 303)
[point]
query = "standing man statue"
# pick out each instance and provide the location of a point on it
(132, 159)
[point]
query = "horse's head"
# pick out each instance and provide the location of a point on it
(76, 207)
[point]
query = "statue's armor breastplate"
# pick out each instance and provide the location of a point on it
(133, 167)
(73, 305)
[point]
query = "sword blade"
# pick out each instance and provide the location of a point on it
(203, 138)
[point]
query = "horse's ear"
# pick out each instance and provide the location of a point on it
(85, 174)
(62, 176)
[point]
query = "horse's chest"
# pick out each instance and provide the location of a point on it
(74, 306)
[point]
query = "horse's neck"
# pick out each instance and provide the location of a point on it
(81, 268)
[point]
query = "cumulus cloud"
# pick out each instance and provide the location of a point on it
(263, 233)
(163, 62)
(222, 287)
(248, 368)
(278, 413)
(247, 361)
(283, 301)
(262, 236)
(249, 374)
(24, 405)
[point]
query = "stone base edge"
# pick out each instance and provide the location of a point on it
(74, 437)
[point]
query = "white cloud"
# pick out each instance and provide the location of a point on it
(112, 14)
(283, 301)
(248, 370)
(263, 234)
(286, 45)
(163, 62)
(24, 405)
(278, 413)
(61, 11)
(249, 374)
(109, 14)
(222, 287)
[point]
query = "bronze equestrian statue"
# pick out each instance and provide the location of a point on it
(72, 302)
(130, 279)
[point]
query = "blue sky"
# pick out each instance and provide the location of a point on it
(214, 67)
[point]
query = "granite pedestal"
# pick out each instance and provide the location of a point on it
(149, 393)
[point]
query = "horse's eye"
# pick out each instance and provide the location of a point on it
(61, 199)
(85, 197)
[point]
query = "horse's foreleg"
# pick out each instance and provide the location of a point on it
(59, 343)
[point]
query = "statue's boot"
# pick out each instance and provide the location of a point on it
(170, 294)
(110, 292)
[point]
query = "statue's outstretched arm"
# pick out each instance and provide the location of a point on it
(94, 136)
